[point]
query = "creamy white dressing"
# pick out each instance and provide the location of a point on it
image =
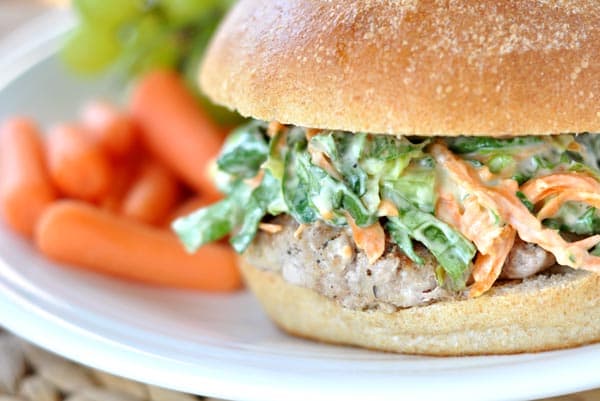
(570, 212)
(527, 158)
(445, 185)
(323, 202)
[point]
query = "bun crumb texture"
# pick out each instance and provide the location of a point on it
(412, 67)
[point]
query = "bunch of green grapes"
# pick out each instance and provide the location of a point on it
(135, 36)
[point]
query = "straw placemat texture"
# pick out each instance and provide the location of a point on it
(28, 373)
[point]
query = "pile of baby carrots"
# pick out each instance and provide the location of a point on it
(100, 193)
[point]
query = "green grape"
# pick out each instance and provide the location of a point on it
(150, 44)
(163, 54)
(181, 12)
(90, 49)
(227, 4)
(144, 32)
(109, 12)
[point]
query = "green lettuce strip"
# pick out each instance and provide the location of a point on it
(451, 249)
(368, 168)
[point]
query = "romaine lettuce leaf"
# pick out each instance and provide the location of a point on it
(244, 151)
(344, 150)
(275, 162)
(364, 161)
(311, 193)
(470, 144)
(577, 218)
(402, 238)
(296, 186)
(417, 185)
(212, 222)
(239, 213)
(524, 158)
(591, 142)
(254, 210)
(451, 249)
(293, 184)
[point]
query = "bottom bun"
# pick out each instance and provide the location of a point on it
(543, 313)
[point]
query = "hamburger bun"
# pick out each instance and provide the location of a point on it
(421, 68)
(545, 312)
(411, 67)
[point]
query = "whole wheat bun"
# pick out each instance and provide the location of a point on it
(539, 314)
(412, 67)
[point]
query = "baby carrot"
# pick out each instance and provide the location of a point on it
(111, 129)
(187, 207)
(25, 188)
(152, 195)
(123, 174)
(176, 130)
(77, 167)
(76, 233)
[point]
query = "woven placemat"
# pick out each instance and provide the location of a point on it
(28, 373)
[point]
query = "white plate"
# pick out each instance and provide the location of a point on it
(208, 344)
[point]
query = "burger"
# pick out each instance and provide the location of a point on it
(418, 176)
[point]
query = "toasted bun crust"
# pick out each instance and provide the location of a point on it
(539, 314)
(412, 67)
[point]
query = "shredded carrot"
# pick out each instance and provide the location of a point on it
(480, 226)
(487, 267)
(274, 128)
(530, 229)
(575, 146)
(591, 262)
(464, 175)
(539, 188)
(312, 132)
(347, 253)
(447, 209)
(553, 205)
(492, 240)
(387, 208)
(281, 140)
(478, 223)
(270, 228)
(370, 239)
(255, 181)
(588, 243)
(327, 214)
(320, 159)
(503, 199)
(485, 174)
(299, 231)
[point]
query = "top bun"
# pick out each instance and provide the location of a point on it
(412, 67)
